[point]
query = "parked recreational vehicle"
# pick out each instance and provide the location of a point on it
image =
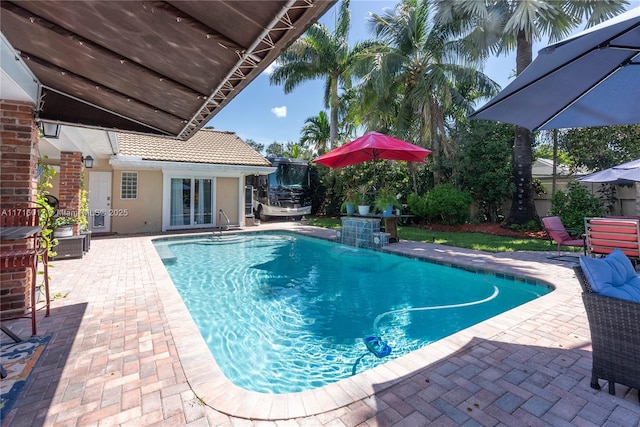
(283, 193)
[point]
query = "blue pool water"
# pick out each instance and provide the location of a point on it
(285, 313)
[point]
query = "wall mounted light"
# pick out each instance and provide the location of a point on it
(50, 130)
(88, 162)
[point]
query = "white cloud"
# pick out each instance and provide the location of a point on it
(280, 112)
(269, 70)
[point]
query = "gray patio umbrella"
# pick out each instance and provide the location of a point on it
(625, 173)
(590, 79)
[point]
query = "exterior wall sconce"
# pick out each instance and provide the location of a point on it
(50, 130)
(88, 162)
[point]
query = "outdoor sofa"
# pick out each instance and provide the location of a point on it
(614, 319)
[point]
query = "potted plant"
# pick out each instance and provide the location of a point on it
(363, 201)
(350, 200)
(63, 226)
(386, 201)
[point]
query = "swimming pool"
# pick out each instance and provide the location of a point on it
(284, 313)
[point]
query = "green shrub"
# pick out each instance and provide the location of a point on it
(575, 205)
(484, 152)
(443, 204)
(448, 205)
(532, 225)
(417, 204)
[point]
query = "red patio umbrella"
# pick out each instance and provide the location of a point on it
(372, 146)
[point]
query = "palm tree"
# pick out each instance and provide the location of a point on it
(316, 132)
(320, 54)
(294, 151)
(492, 27)
(415, 76)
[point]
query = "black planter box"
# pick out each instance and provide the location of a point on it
(86, 245)
(69, 247)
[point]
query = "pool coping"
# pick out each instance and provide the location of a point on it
(215, 390)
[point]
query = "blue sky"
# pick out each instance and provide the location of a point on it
(264, 113)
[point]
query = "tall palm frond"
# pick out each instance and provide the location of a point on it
(316, 133)
(319, 54)
(409, 77)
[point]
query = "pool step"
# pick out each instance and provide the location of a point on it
(221, 239)
(166, 255)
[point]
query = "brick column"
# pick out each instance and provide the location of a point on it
(70, 185)
(18, 180)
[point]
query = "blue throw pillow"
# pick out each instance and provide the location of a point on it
(634, 283)
(629, 291)
(598, 273)
(613, 276)
(621, 267)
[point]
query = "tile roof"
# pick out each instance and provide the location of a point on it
(205, 146)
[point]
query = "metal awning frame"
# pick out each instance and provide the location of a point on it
(248, 60)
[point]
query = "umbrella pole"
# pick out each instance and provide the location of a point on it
(376, 184)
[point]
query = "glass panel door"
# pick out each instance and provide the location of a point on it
(180, 201)
(191, 202)
(202, 202)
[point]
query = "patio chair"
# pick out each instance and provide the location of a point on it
(559, 234)
(615, 336)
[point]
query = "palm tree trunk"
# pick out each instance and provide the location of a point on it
(523, 208)
(412, 169)
(441, 147)
(333, 121)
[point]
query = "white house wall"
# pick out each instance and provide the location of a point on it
(140, 215)
(151, 211)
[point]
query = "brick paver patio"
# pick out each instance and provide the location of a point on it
(124, 351)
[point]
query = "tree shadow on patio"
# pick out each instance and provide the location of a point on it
(491, 382)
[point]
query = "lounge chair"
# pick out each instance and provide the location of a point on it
(603, 235)
(559, 234)
(615, 336)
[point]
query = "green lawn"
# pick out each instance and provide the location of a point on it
(477, 241)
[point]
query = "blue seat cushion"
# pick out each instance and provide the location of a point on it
(613, 276)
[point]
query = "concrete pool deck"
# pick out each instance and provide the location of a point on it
(125, 351)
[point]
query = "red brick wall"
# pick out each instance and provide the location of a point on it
(18, 179)
(70, 185)
(18, 158)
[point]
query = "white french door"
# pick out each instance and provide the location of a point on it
(190, 202)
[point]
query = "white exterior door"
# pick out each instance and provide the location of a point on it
(99, 202)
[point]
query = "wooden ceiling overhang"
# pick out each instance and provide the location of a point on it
(151, 67)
